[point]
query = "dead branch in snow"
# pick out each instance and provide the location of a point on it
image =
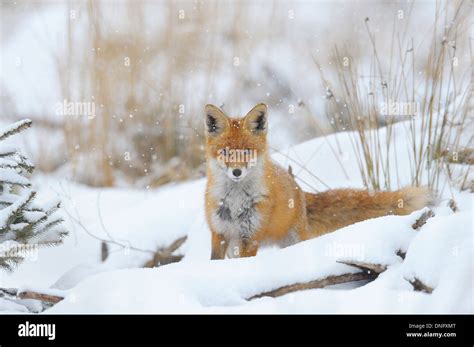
(419, 286)
(54, 299)
(164, 256)
(422, 220)
(319, 283)
(367, 267)
(12, 293)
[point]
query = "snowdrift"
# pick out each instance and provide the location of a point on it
(439, 254)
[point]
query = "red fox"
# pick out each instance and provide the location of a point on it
(251, 201)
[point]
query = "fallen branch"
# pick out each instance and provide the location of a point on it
(370, 271)
(423, 218)
(12, 293)
(367, 267)
(54, 299)
(417, 225)
(320, 283)
(419, 286)
(164, 256)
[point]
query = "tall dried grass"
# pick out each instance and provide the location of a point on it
(148, 128)
(439, 95)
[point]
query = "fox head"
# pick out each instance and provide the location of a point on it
(236, 145)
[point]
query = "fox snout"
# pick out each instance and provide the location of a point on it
(236, 162)
(237, 174)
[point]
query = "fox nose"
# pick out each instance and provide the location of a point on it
(236, 172)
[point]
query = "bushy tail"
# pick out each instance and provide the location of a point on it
(335, 209)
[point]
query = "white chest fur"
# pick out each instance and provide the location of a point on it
(236, 216)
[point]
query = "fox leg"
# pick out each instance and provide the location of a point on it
(219, 246)
(248, 248)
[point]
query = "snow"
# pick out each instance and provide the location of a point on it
(11, 129)
(11, 176)
(229, 282)
(439, 253)
(7, 212)
(218, 286)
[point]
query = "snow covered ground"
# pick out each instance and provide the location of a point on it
(439, 254)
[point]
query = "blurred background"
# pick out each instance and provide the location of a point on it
(116, 89)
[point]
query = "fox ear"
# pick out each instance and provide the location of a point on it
(216, 120)
(256, 121)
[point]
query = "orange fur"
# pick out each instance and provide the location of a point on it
(334, 209)
(284, 208)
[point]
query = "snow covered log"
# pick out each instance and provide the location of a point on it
(370, 271)
(360, 252)
(196, 285)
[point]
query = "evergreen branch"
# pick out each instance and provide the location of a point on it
(21, 220)
(47, 227)
(8, 154)
(18, 184)
(18, 165)
(15, 128)
(20, 206)
(9, 263)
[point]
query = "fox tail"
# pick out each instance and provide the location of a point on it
(334, 209)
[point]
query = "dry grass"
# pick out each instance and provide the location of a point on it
(148, 125)
(439, 95)
(138, 120)
(148, 128)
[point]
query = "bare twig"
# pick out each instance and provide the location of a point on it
(83, 227)
(302, 167)
(422, 220)
(419, 286)
(16, 128)
(164, 256)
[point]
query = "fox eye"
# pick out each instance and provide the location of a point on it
(223, 151)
